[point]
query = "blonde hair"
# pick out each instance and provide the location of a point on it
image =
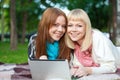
(80, 15)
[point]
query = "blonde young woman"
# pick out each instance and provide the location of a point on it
(93, 52)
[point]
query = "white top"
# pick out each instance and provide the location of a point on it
(103, 53)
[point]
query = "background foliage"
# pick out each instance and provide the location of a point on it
(98, 10)
(28, 15)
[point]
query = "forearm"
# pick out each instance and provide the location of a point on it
(99, 70)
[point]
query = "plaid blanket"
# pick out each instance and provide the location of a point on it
(22, 72)
(15, 72)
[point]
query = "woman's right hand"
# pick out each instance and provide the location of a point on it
(43, 57)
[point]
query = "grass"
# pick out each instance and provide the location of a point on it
(17, 56)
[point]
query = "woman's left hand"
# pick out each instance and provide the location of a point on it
(78, 71)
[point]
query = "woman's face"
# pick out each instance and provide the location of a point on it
(76, 30)
(58, 28)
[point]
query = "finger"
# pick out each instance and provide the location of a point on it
(73, 70)
(43, 57)
(75, 67)
(79, 73)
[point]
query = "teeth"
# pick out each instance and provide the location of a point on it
(59, 35)
(74, 35)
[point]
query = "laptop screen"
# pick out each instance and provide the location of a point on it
(49, 69)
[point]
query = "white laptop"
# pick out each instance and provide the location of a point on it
(49, 69)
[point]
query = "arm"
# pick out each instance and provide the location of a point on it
(31, 47)
(103, 54)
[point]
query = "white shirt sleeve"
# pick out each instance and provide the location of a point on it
(102, 53)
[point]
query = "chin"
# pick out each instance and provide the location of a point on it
(56, 39)
(74, 40)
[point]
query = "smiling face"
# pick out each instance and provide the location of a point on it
(76, 30)
(58, 28)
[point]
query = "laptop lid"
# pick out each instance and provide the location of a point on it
(49, 69)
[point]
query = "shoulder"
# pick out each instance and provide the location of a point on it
(98, 35)
(97, 32)
(31, 46)
(101, 41)
(32, 38)
(102, 44)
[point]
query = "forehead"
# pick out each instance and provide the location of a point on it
(60, 18)
(76, 20)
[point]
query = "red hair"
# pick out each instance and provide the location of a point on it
(48, 19)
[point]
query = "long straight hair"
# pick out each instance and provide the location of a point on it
(48, 19)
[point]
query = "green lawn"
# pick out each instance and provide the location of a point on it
(18, 56)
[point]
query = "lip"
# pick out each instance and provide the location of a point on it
(58, 34)
(74, 34)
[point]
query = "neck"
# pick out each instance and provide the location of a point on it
(80, 42)
(51, 40)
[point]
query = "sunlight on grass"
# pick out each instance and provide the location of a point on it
(18, 56)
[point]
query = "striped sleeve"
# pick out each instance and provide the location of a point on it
(31, 47)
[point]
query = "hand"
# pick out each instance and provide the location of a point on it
(43, 57)
(78, 71)
(73, 70)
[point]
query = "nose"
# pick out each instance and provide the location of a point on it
(74, 28)
(60, 28)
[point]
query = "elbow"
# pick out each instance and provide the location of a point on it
(113, 70)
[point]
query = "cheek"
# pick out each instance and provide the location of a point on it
(84, 32)
(64, 30)
(50, 32)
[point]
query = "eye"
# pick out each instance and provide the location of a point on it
(56, 25)
(80, 25)
(64, 26)
(69, 25)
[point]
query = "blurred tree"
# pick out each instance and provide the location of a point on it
(113, 22)
(13, 35)
(28, 12)
(2, 20)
